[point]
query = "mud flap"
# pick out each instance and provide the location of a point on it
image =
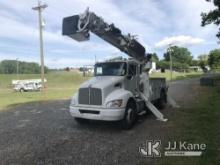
(153, 109)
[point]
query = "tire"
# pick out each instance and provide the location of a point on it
(162, 100)
(81, 121)
(22, 90)
(130, 116)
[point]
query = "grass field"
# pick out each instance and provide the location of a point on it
(60, 85)
(199, 123)
(176, 75)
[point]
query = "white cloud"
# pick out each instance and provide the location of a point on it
(68, 62)
(178, 40)
(150, 20)
(57, 10)
(50, 61)
(14, 30)
(185, 17)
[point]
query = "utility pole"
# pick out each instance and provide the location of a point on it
(40, 8)
(171, 62)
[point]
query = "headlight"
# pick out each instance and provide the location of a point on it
(114, 103)
(73, 101)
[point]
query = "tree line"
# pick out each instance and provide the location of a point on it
(213, 16)
(182, 59)
(14, 66)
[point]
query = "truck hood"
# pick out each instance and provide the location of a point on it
(102, 81)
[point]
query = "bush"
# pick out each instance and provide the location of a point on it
(10, 67)
(176, 65)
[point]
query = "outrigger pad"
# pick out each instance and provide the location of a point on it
(70, 28)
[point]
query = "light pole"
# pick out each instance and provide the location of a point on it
(40, 8)
(17, 71)
(95, 59)
(171, 62)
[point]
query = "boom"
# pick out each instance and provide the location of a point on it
(78, 27)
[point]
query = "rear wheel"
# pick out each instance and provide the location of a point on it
(130, 116)
(163, 100)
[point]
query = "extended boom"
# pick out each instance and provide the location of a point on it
(78, 27)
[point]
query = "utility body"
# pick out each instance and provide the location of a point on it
(27, 85)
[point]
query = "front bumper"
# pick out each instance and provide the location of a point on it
(106, 114)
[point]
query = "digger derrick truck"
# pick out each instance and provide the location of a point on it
(121, 88)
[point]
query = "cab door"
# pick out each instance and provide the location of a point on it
(132, 78)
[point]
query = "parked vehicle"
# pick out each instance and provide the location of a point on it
(114, 93)
(27, 85)
(121, 88)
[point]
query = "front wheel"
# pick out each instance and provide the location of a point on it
(130, 116)
(81, 121)
(22, 90)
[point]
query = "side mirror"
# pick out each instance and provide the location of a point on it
(129, 77)
(149, 56)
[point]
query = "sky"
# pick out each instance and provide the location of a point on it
(155, 22)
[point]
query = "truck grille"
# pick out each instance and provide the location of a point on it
(90, 96)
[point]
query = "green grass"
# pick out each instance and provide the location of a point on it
(176, 75)
(60, 85)
(199, 124)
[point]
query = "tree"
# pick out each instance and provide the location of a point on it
(162, 64)
(212, 16)
(67, 69)
(10, 67)
(214, 59)
(203, 60)
(203, 57)
(179, 54)
(194, 63)
(155, 57)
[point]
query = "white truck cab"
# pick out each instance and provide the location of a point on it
(113, 93)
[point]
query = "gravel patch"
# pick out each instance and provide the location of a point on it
(45, 133)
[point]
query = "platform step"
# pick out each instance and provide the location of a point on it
(153, 109)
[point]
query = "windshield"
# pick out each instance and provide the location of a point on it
(110, 69)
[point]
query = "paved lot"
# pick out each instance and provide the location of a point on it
(45, 133)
